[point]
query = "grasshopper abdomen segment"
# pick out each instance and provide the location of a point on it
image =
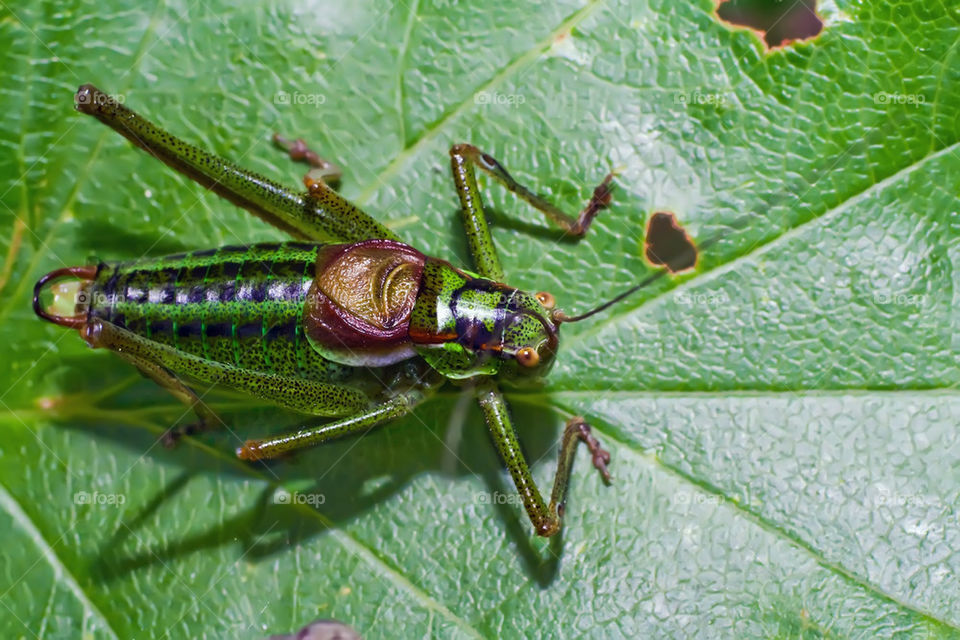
(237, 305)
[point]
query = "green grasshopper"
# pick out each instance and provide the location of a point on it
(346, 322)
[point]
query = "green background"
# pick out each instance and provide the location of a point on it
(783, 420)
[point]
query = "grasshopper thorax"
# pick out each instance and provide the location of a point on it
(358, 308)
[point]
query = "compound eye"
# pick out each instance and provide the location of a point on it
(528, 357)
(546, 299)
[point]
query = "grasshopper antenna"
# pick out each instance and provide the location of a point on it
(559, 316)
(687, 256)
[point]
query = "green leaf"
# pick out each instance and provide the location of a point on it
(782, 420)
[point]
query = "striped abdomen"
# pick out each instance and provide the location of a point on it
(239, 305)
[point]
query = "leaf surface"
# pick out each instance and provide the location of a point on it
(783, 419)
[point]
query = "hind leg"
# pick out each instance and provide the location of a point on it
(321, 214)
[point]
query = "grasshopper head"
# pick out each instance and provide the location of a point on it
(465, 326)
(530, 337)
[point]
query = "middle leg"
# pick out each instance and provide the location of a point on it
(362, 421)
(546, 520)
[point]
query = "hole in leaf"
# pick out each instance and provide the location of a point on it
(667, 243)
(779, 21)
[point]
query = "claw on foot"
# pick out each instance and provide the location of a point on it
(599, 455)
(601, 198)
(603, 194)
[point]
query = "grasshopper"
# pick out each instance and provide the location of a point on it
(344, 322)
